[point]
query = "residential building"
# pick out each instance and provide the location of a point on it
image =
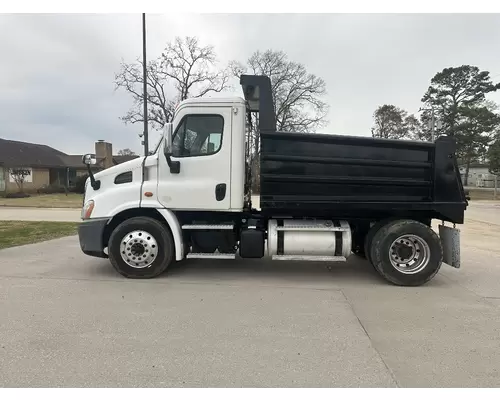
(47, 166)
(478, 175)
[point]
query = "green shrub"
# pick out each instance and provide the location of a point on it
(17, 195)
(50, 189)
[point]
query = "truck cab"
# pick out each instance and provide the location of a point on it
(208, 149)
(323, 197)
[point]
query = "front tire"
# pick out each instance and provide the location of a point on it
(141, 248)
(406, 252)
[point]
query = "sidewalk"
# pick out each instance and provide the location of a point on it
(39, 214)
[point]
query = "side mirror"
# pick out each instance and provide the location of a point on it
(89, 159)
(175, 166)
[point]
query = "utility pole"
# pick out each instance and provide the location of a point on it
(433, 121)
(145, 86)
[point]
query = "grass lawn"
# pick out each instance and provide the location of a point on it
(16, 233)
(58, 200)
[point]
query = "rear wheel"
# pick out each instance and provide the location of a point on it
(141, 247)
(406, 252)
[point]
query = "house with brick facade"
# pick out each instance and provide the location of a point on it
(46, 166)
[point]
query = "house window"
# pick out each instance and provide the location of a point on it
(198, 135)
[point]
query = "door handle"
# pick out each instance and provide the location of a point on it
(220, 191)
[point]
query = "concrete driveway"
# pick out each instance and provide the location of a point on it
(70, 320)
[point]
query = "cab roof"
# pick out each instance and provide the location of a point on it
(213, 100)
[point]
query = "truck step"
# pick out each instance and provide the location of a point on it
(208, 227)
(214, 256)
(309, 258)
(313, 228)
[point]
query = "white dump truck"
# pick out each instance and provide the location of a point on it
(322, 197)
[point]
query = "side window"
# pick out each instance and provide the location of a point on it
(198, 135)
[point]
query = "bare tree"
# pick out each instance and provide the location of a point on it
(19, 175)
(160, 105)
(297, 96)
(185, 69)
(193, 68)
(296, 93)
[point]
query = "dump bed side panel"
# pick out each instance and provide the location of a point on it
(354, 175)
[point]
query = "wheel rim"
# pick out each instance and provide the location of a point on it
(139, 249)
(409, 254)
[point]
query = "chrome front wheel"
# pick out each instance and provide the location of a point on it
(138, 249)
(141, 247)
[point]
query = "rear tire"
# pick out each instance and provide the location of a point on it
(406, 252)
(370, 235)
(141, 248)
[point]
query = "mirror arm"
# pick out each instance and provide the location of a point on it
(95, 184)
(168, 158)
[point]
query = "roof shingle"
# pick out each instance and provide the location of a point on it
(21, 154)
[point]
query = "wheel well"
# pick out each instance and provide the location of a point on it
(362, 228)
(131, 213)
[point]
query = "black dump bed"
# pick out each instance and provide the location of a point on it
(303, 174)
(357, 177)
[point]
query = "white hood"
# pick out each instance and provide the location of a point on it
(123, 167)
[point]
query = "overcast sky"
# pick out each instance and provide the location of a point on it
(57, 71)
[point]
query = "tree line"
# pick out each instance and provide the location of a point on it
(454, 104)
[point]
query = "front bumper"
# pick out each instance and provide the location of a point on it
(90, 234)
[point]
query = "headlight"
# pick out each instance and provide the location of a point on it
(87, 209)
(85, 190)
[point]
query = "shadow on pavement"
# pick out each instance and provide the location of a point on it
(356, 270)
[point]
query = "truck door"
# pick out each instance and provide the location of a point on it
(202, 145)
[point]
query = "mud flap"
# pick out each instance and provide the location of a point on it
(450, 240)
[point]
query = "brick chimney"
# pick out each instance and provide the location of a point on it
(104, 153)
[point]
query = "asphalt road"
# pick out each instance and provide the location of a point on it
(70, 320)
